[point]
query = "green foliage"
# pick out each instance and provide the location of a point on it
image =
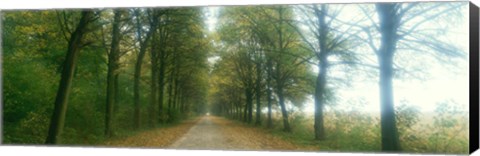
(26, 103)
(347, 131)
(446, 132)
(407, 117)
(34, 47)
(28, 130)
(174, 116)
(350, 130)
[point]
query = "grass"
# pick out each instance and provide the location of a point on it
(441, 132)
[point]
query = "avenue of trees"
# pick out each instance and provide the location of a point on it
(273, 58)
(106, 72)
(82, 76)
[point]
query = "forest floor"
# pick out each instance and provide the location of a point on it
(154, 138)
(209, 133)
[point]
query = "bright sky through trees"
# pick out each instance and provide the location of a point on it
(441, 83)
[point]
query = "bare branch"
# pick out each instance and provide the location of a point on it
(426, 19)
(62, 27)
(353, 63)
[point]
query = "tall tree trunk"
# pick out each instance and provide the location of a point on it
(171, 86)
(279, 76)
(161, 85)
(138, 66)
(175, 82)
(281, 100)
(245, 112)
(170, 93)
(179, 101)
(269, 94)
(136, 88)
(153, 81)
(239, 111)
(239, 107)
(258, 94)
(322, 73)
(117, 86)
(60, 109)
(112, 67)
(319, 102)
(232, 110)
(249, 95)
(174, 102)
(389, 21)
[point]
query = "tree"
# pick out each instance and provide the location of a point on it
(258, 87)
(388, 28)
(265, 34)
(143, 39)
(323, 38)
(99, 79)
(399, 28)
(29, 87)
(282, 42)
(74, 46)
(113, 57)
(245, 55)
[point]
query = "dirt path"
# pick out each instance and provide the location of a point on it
(206, 134)
(217, 133)
(209, 133)
(155, 138)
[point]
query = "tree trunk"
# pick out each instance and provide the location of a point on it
(175, 96)
(232, 110)
(279, 76)
(388, 27)
(170, 93)
(112, 67)
(319, 102)
(60, 108)
(322, 74)
(179, 101)
(153, 81)
(258, 94)
(269, 94)
(249, 95)
(239, 112)
(245, 112)
(281, 101)
(138, 68)
(269, 103)
(117, 90)
(136, 87)
(161, 85)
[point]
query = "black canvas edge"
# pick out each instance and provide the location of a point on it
(474, 77)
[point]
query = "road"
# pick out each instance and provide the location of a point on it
(208, 133)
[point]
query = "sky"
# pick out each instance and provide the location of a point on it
(442, 84)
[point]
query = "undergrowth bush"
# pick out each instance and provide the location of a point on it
(353, 130)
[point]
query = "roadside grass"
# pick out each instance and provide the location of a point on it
(444, 131)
